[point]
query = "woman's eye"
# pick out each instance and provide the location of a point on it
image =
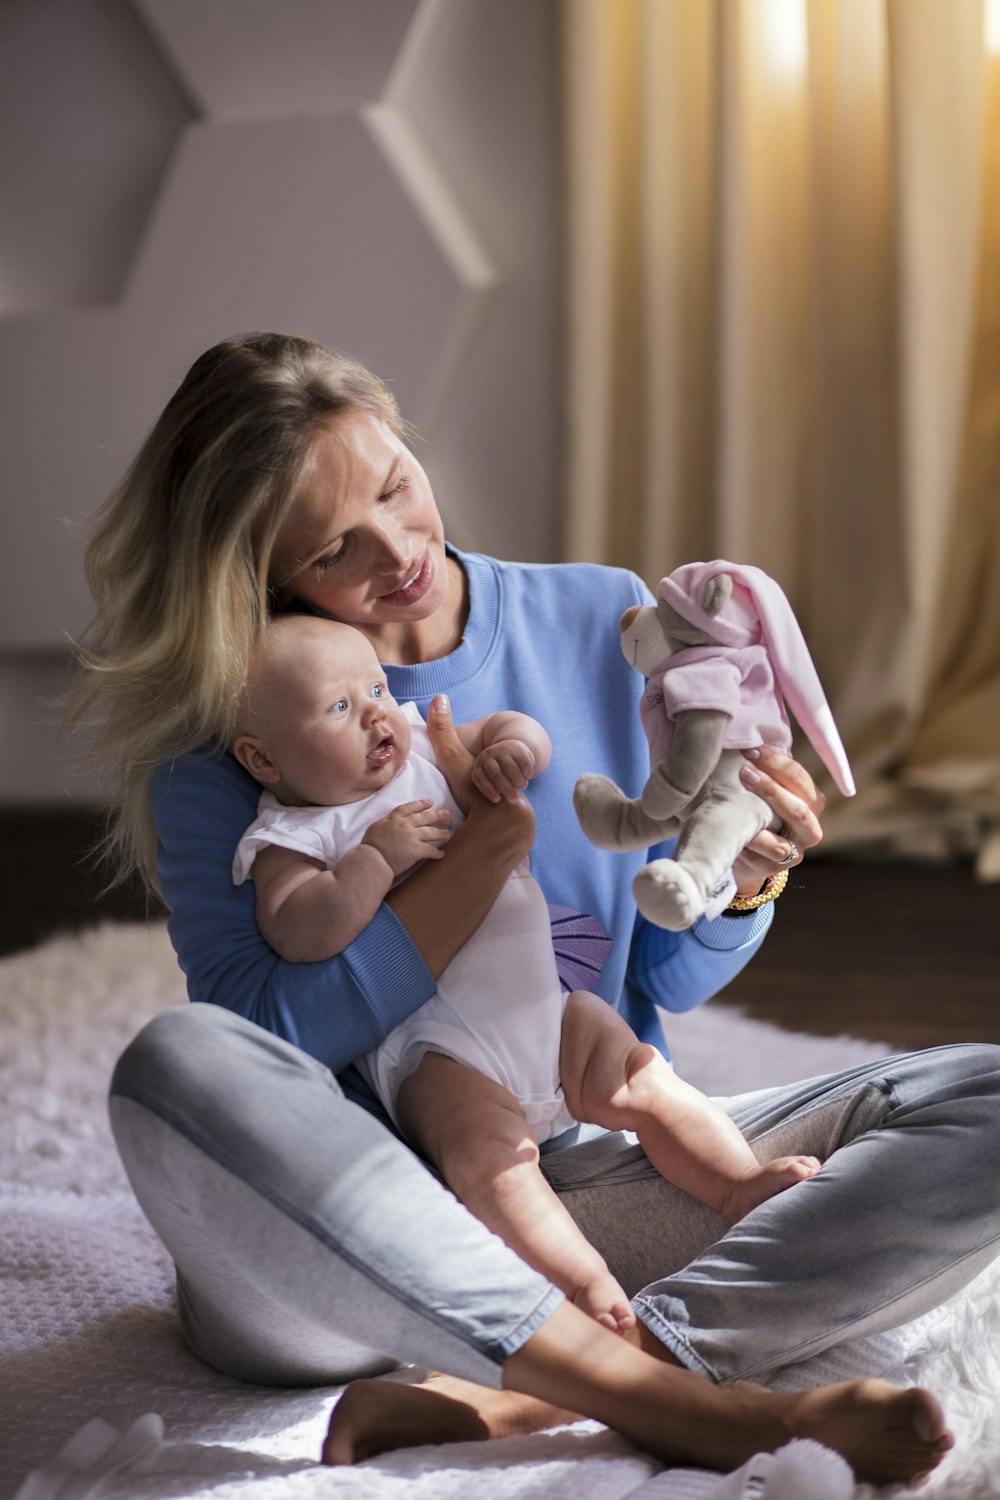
(330, 561)
(401, 484)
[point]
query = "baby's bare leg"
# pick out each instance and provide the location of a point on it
(610, 1078)
(475, 1133)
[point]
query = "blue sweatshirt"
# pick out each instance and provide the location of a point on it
(542, 639)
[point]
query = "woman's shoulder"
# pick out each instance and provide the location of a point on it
(566, 581)
(206, 783)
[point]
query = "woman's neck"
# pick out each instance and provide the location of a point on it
(405, 645)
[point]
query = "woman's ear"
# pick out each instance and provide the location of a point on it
(254, 758)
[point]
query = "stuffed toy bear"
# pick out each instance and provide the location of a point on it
(723, 654)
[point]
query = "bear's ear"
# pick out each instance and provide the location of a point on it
(718, 592)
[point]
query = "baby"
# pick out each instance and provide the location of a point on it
(500, 1058)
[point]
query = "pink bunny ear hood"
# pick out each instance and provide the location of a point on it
(759, 613)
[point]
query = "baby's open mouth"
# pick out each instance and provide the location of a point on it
(382, 753)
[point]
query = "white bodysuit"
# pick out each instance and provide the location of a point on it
(498, 1006)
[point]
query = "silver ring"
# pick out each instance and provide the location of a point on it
(790, 857)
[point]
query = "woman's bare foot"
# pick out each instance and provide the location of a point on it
(377, 1416)
(765, 1181)
(886, 1434)
(602, 1298)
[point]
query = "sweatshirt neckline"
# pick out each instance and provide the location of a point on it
(424, 679)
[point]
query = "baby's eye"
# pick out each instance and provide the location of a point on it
(378, 691)
(339, 706)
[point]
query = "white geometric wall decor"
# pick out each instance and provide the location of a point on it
(377, 174)
(89, 112)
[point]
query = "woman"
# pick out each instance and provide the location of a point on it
(311, 1246)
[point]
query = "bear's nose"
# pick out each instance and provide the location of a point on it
(627, 618)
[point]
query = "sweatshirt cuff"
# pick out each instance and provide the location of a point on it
(726, 933)
(386, 965)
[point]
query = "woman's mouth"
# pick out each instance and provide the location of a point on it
(413, 589)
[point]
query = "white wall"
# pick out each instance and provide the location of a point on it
(378, 174)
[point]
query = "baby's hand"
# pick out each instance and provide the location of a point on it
(411, 832)
(501, 771)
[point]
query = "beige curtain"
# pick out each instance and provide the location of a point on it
(783, 347)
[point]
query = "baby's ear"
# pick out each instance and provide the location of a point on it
(252, 756)
(718, 592)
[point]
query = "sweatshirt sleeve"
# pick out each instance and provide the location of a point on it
(679, 970)
(335, 1010)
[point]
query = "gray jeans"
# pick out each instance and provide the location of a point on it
(311, 1246)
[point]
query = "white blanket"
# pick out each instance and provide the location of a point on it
(89, 1330)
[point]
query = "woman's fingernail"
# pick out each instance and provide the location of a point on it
(752, 754)
(749, 775)
(440, 704)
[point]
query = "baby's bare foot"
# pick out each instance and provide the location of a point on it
(765, 1181)
(602, 1298)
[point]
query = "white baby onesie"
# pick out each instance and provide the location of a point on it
(498, 1006)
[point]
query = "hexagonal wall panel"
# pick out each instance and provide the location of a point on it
(357, 268)
(88, 118)
(257, 59)
(289, 206)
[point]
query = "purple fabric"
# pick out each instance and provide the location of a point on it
(581, 946)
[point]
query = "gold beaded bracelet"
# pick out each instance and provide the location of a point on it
(772, 889)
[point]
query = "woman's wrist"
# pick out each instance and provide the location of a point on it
(444, 902)
(769, 891)
(501, 832)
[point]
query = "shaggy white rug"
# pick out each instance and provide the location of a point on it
(89, 1331)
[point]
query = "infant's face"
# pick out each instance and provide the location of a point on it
(329, 722)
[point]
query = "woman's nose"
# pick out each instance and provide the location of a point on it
(389, 552)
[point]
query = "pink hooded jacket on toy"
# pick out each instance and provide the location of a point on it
(761, 663)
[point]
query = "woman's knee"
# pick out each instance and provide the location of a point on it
(963, 1079)
(164, 1047)
(199, 1050)
(973, 1065)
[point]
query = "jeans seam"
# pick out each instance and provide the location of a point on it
(496, 1350)
(673, 1339)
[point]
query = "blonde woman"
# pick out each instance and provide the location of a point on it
(311, 1245)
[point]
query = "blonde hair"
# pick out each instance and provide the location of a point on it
(178, 562)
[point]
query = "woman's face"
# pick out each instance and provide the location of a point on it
(364, 543)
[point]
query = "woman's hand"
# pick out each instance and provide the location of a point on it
(793, 796)
(454, 761)
(444, 902)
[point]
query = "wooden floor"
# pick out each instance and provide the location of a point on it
(906, 955)
(902, 954)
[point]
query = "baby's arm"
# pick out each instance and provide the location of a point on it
(510, 749)
(308, 912)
